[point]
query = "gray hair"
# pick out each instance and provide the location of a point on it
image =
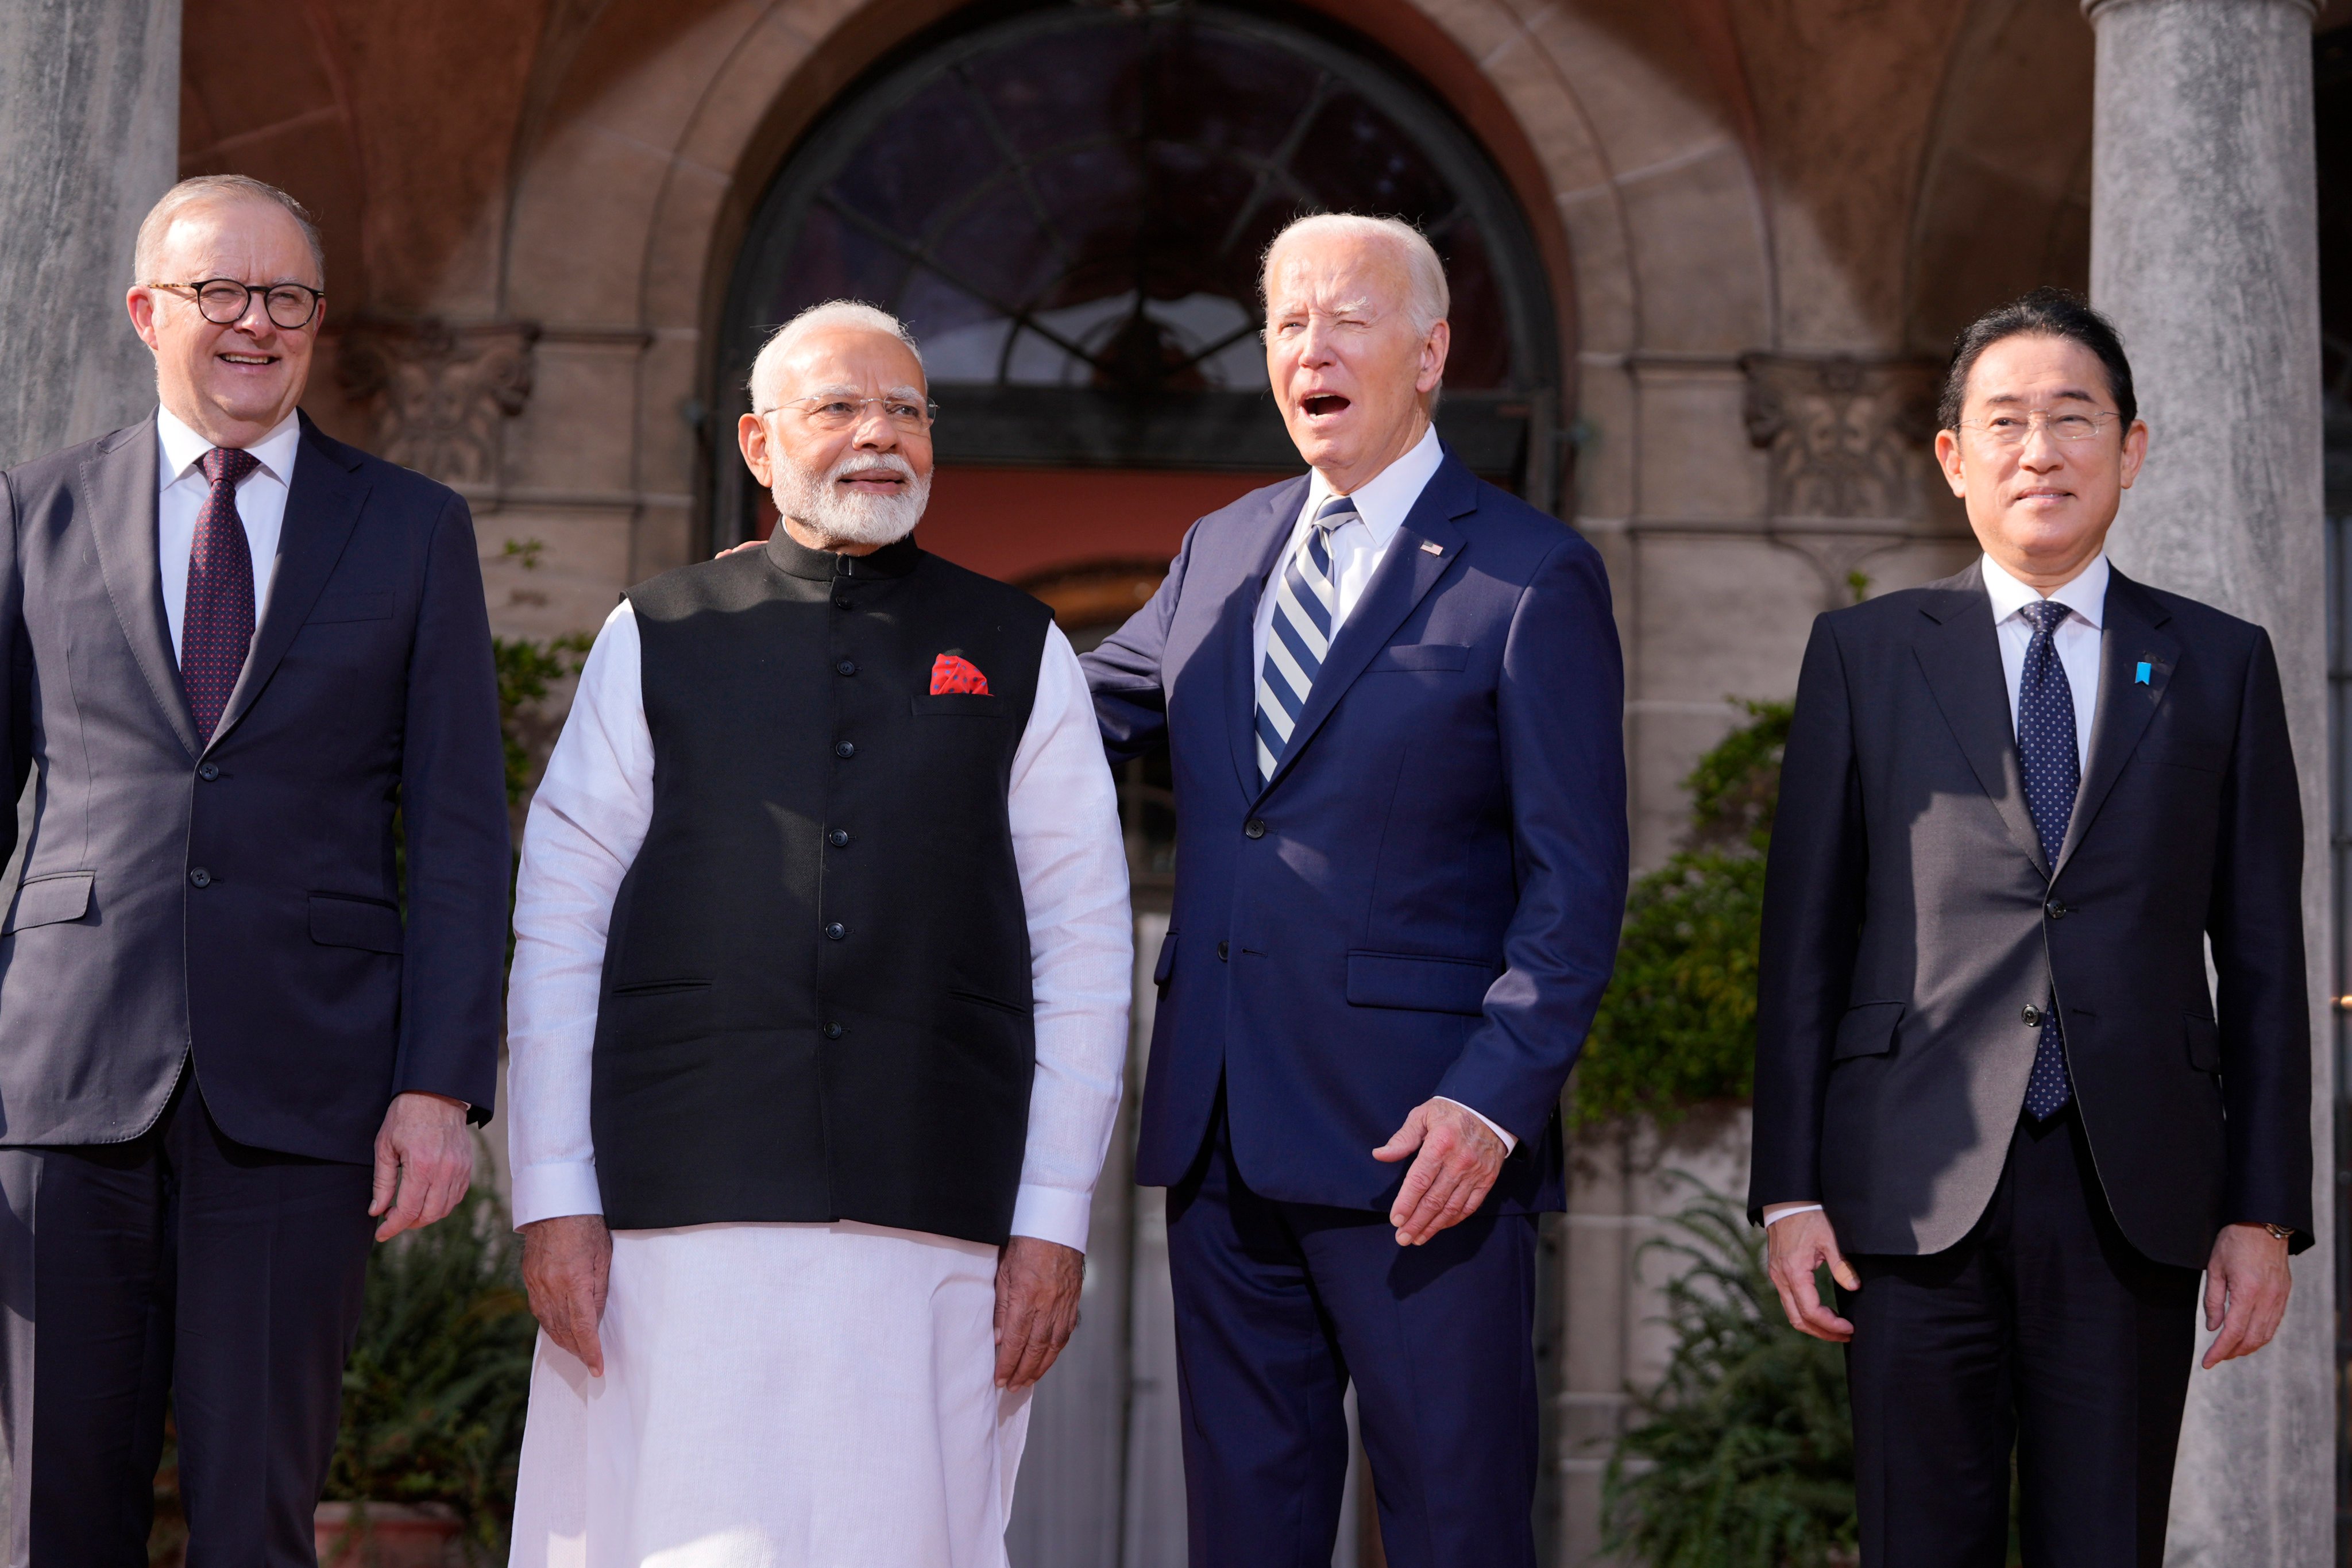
(818, 318)
(157, 225)
(1427, 298)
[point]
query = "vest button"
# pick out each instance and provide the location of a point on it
(837, 931)
(834, 1031)
(2032, 1014)
(845, 749)
(1254, 828)
(1225, 949)
(208, 771)
(838, 837)
(847, 666)
(201, 878)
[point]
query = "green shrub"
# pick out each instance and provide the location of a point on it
(1678, 1025)
(1743, 1455)
(435, 1390)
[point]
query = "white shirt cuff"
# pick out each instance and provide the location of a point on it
(1509, 1143)
(1054, 1214)
(1772, 1219)
(549, 1192)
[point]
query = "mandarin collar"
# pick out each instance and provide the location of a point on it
(789, 555)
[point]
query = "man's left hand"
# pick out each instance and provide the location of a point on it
(1037, 1287)
(1460, 1158)
(2246, 1285)
(424, 1163)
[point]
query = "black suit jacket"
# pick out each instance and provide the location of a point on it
(240, 900)
(1908, 922)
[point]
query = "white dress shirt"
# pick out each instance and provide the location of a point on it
(180, 501)
(1358, 548)
(589, 819)
(2077, 638)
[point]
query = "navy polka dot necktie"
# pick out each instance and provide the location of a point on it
(216, 624)
(2053, 771)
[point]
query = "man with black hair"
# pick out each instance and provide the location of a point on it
(1994, 1096)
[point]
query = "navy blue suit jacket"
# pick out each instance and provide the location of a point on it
(237, 902)
(1425, 899)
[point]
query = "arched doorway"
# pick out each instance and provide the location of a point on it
(1067, 205)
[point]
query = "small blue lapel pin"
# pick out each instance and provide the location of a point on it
(2141, 678)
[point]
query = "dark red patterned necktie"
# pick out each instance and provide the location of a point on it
(216, 624)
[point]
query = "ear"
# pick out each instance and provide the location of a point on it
(141, 303)
(2134, 450)
(751, 436)
(1433, 358)
(1947, 458)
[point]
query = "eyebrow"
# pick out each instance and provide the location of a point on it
(842, 389)
(2075, 392)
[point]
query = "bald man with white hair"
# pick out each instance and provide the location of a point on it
(1391, 698)
(817, 1021)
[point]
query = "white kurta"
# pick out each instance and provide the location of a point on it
(794, 1395)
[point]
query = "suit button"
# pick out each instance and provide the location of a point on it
(1254, 828)
(834, 1031)
(847, 666)
(2056, 910)
(837, 931)
(208, 771)
(838, 837)
(845, 749)
(1225, 949)
(842, 603)
(201, 878)
(2032, 1014)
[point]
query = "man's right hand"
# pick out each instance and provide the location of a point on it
(1794, 1249)
(565, 1264)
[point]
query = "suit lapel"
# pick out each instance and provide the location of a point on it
(322, 505)
(119, 483)
(1241, 624)
(1425, 547)
(1959, 653)
(2128, 638)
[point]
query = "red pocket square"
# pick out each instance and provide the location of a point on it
(951, 674)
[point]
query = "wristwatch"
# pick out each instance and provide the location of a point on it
(2279, 1232)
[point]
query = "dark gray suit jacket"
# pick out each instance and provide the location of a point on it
(1908, 921)
(239, 903)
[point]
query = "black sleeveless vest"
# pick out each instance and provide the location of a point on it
(815, 1002)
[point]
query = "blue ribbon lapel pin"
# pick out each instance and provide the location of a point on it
(2140, 678)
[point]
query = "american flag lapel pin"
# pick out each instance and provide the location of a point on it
(1433, 547)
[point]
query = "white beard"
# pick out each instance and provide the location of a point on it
(818, 502)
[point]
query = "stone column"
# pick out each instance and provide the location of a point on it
(89, 117)
(90, 122)
(2204, 248)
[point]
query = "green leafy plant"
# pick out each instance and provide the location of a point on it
(436, 1387)
(527, 671)
(1678, 1025)
(1742, 1456)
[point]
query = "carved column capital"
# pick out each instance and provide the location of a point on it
(1848, 436)
(441, 393)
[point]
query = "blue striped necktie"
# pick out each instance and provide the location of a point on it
(1300, 638)
(2053, 768)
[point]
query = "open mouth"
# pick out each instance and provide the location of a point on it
(874, 479)
(256, 360)
(1322, 404)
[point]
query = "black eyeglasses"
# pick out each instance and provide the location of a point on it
(224, 301)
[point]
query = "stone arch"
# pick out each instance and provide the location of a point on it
(2005, 177)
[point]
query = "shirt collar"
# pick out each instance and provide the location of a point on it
(184, 448)
(894, 559)
(1385, 499)
(2085, 594)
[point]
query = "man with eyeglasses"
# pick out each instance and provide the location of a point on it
(1994, 1096)
(247, 667)
(818, 1017)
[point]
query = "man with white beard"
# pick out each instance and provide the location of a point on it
(817, 1017)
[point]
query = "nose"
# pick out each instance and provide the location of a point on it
(2040, 452)
(875, 431)
(1315, 344)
